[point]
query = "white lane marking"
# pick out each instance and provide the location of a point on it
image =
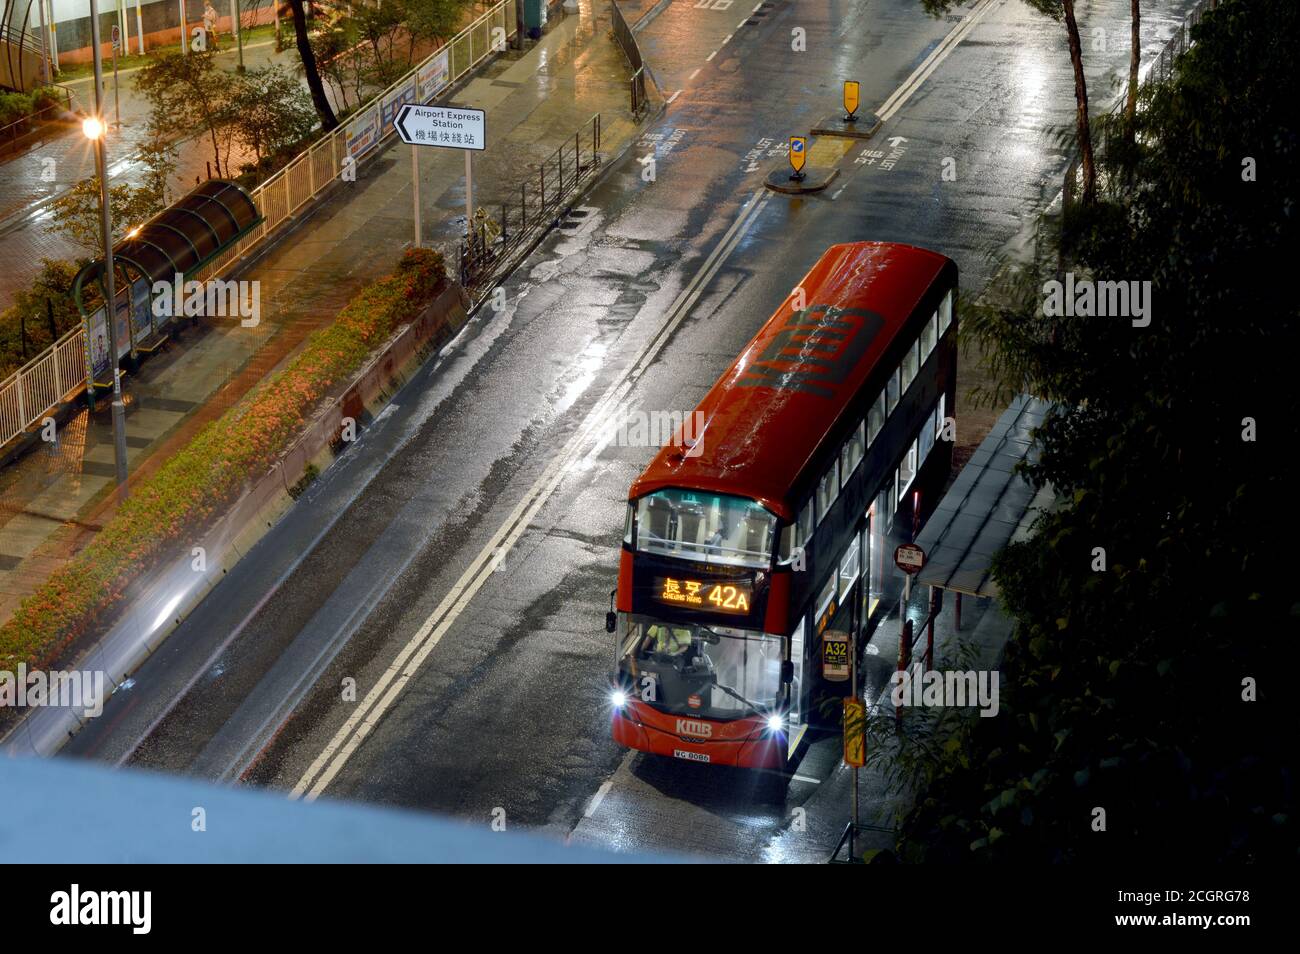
(710, 56)
(409, 659)
(756, 6)
(674, 96)
(806, 778)
(598, 797)
(726, 39)
(695, 74)
(931, 62)
(741, 24)
(836, 193)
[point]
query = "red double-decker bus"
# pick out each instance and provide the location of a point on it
(748, 541)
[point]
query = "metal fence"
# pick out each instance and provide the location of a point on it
(626, 41)
(489, 245)
(59, 372)
(1110, 125)
(14, 135)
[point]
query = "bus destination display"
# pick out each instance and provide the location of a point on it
(732, 596)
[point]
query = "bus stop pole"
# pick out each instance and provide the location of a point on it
(929, 635)
(469, 192)
(853, 683)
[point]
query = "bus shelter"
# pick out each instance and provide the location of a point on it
(988, 506)
(172, 247)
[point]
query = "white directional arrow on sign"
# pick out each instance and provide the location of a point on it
(448, 126)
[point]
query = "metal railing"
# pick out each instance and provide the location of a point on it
(12, 132)
(59, 372)
(1161, 69)
(541, 197)
(626, 41)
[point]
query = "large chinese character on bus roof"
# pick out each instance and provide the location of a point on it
(814, 350)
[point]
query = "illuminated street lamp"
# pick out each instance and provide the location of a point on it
(93, 127)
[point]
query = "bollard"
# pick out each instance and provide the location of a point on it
(904, 649)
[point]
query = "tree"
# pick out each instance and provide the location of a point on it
(77, 212)
(378, 26)
(39, 315)
(1060, 10)
(431, 20)
(158, 154)
(328, 120)
(1155, 607)
(185, 88)
(271, 112)
(1134, 60)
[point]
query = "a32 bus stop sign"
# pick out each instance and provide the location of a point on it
(448, 126)
(909, 557)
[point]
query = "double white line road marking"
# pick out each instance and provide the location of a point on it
(593, 428)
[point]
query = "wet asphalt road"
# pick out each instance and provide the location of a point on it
(458, 482)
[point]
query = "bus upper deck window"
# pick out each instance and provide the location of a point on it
(875, 418)
(929, 335)
(909, 366)
(945, 312)
(891, 392)
(828, 488)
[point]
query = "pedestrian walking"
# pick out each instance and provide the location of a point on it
(210, 24)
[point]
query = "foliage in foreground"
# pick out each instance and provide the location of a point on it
(1126, 688)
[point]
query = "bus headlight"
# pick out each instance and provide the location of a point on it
(618, 698)
(775, 724)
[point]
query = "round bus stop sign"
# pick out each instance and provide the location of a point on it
(909, 558)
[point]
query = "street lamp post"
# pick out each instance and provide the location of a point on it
(94, 129)
(239, 39)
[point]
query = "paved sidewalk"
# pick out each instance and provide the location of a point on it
(54, 499)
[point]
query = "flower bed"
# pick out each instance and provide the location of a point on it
(210, 472)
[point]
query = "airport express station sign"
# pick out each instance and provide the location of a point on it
(448, 126)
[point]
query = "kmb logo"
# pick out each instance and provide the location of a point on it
(694, 727)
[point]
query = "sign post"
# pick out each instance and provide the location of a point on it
(415, 189)
(855, 740)
(909, 558)
(798, 156)
(469, 192)
(449, 127)
(117, 105)
(850, 101)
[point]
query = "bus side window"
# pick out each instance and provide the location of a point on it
(875, 418)
(945, 312)
(909, 367)
(805, 524)
(851, 453)
(828, 488)
(929, 335)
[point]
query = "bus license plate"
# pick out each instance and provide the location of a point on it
(692, 756)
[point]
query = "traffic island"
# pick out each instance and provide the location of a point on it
(863, 127)
(815, 179)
